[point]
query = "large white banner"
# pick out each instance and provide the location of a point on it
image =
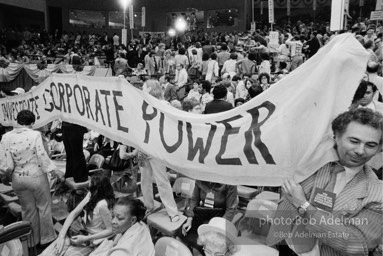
(284, 131)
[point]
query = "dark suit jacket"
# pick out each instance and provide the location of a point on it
(217, 106)
(170, 92)
(360, 201)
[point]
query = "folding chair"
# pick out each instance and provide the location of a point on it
(268, 195)
(255, 225)
(19, 230)
(245, 194)
(97, 161)
(168, 246)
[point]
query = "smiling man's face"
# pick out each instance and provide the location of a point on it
(358, 144)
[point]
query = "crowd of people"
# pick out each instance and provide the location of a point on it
(201, 73)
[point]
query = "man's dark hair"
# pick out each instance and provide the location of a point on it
(254, 90)
(219, 92)
(205, 57)
(368, 44)
(360, 91)
(213, 56)
(236, 78)
(265, 56)
(167, 78)
(373, 86)
(239, 100)
(252, 56)
(233, 56)
(364, 116)
(224, 47)
(25, 117)
(206, 85)
(135, 206)
(181, 51)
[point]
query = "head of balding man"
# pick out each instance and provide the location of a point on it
(372, 67)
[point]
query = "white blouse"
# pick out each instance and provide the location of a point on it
(26, 149)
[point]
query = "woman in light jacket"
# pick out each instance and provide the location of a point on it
(22, 152)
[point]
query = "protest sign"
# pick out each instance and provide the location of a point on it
(282, 132)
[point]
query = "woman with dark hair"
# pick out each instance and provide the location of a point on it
(359, 94)
(133, 236)
(264, 81)
(98, 221)
(22, 153)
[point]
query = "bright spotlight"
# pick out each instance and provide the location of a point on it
(181, 24)
(125, 3)
(172, 32)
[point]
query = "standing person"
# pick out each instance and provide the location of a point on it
(219, 104)
(181, 75)
(205, 94)
(230, 66)
(151, 167)
(265, 66)
(223, 56)
(73, 136)
(355, 192)
(22, 152)
(296, 46)
(116, 40)
(181, 58)
(313, 44)
(212, 67)
(170, 90)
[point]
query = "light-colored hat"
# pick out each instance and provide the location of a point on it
(221, 226)
(19, 90)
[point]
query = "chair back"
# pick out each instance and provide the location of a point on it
(19, 230)
(169, 246)
(97, 160)
(184, 187)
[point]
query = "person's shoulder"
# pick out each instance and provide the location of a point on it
(102, 204)
(379, 106)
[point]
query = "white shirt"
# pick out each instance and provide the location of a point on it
(230, 66)
(295, 47)
(181, 77)
(116, 40)
(241, 90)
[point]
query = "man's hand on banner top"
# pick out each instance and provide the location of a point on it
(293, 192)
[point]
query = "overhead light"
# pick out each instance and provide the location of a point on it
(172, 32)
(181, 24)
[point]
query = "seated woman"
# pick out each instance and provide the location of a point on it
(98, 222)
(218, 237)
(133, 236)
(209, 200)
